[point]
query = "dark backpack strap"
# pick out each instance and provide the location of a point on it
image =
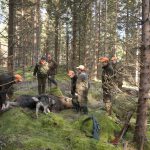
(82, 126)
(96, 127)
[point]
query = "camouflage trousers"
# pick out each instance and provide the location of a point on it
(107, 99)
(41, 85)
(83, 99)
(108, 107)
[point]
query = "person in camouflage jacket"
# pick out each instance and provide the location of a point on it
(41, 70)
(118, 72)
(82, 88)
(107, 78)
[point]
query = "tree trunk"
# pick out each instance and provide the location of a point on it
(99, 37)
(10, 36)
(56, 37)
(144, 96)
(36, 30)
(67, 46)
(127, 31)
(105, 35)
(115, 39)
(74, 40)
(23, 40)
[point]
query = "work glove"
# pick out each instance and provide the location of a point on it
(49, 77)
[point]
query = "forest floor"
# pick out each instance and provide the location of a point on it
(20, 130)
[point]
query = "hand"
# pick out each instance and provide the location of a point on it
(49, 77)
(76, 94)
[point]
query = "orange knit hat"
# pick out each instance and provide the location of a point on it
(18, 78)
(103, 59)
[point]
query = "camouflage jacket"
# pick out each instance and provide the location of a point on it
(107, 76)
(82, 82)
(41, 70)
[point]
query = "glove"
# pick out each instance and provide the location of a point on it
(76, 94)
(49, 77)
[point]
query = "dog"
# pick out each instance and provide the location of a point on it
(44, 101)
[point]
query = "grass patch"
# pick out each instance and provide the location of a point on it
(55, 91)
(53, 131)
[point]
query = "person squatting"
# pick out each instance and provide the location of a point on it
(6, 82)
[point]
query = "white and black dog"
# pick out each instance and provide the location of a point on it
(44, 101)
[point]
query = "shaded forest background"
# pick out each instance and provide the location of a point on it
(74, 32)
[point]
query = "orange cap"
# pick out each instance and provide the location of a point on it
(70, 72)
(104, 59)
(114, 58)
(18, 78)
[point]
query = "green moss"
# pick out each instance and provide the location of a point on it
(62, 76)
(31, 92)
(55, 91)
(54, 131)
(20, 130)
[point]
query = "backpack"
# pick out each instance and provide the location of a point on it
(43, 69)
(95, 131)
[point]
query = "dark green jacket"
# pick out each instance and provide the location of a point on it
(41, 70)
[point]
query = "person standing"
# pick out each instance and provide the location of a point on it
(52, 70)
(6, 82)
(107, 78)
(73, 78)
(82, 88)
(41, 70)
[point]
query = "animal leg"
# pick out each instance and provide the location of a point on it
(38, 105)
(48, 110)
(45, 109)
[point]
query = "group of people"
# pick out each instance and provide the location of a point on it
(46, 69)
(111, 79)
(79, 88)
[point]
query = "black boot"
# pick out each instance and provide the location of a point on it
(85, 110)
